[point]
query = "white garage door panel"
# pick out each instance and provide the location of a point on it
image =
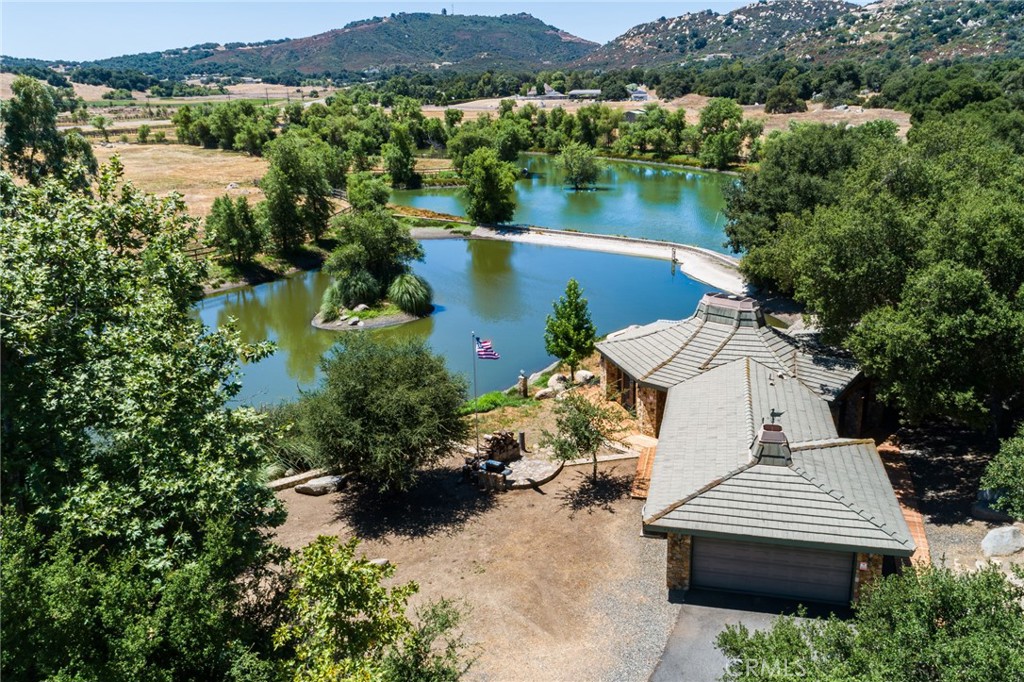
(804, 574)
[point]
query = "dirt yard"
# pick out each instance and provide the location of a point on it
(199, 175)
(558, 582)
(947, 464)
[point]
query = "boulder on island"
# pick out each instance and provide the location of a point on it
(360, 308)
(544, 393)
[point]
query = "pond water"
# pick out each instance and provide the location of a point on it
(632, 199)
(501, 290)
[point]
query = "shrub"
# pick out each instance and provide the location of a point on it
(385, 409)
(411, 293)
(331, 303)
(1005, 473)
(359, 287)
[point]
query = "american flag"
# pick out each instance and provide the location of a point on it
(485, 351)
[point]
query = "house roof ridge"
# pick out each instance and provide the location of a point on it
(846, 501)
(675, 354)
(658, 330)
(725, 342)
(700, 491)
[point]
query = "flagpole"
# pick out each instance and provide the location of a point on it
(476, 406)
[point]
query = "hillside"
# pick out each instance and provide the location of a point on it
(417, 41)
(750, 31)
(821, 29)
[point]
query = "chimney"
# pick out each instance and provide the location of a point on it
(771, 446)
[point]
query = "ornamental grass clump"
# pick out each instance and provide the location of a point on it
(411, 293)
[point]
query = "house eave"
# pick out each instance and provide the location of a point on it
(661, 527)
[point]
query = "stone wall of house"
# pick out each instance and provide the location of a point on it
(677, 563)
(867, 570)
(612, 380)
(647, 410)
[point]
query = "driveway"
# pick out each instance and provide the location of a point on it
(690, 654)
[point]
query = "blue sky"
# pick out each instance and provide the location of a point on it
(93, 30)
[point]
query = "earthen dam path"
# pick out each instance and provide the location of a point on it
(714, 269)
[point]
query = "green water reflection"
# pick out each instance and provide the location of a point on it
(501, 290)
(633, 199)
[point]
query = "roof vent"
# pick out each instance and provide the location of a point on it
(771, 446)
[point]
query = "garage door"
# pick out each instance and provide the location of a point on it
(804, 574)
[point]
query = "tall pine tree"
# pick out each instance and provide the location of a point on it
(569, 334)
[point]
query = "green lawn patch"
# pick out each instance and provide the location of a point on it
(494, 400)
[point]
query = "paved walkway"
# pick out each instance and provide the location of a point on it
(903, 486)
(715, 269)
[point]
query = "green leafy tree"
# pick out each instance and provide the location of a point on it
(490, 187)
(784, 99)
(143, 134)
(297, 191)
(102, 124)
(950, 346)
(341, 615)
(926, 624)
(579, 164)
(569, 333)
(31, 146)
(367, 192)
(142, 561)
(373, 242)
(397, 155)
(1005, 474)
(582, 428)
(233, 229)
(467, 140)
(384, 410)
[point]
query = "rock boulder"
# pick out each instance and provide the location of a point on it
(360, 308)
(583, 377)
(1003, 541)
(558, 382)
(544, 393)
(321, 486)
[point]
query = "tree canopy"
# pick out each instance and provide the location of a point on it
(134, 514)
(579, 165)
(911, 254)
(384, 410)
(927, 624)
(569, 333)
(32, 147)
(490, 184)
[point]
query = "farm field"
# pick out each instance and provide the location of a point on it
(199, 175)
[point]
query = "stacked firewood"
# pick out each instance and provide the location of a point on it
(501, 446)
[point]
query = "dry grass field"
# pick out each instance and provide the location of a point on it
(87, 92)
(199, 175)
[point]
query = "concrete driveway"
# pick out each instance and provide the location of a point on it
(690, 654)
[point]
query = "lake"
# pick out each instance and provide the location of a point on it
(501, 290)
(631, 199)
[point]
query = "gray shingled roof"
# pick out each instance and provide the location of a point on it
(833, 494)
(664, 354)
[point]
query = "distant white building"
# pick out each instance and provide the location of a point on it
(584, 94)
(638, 95)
